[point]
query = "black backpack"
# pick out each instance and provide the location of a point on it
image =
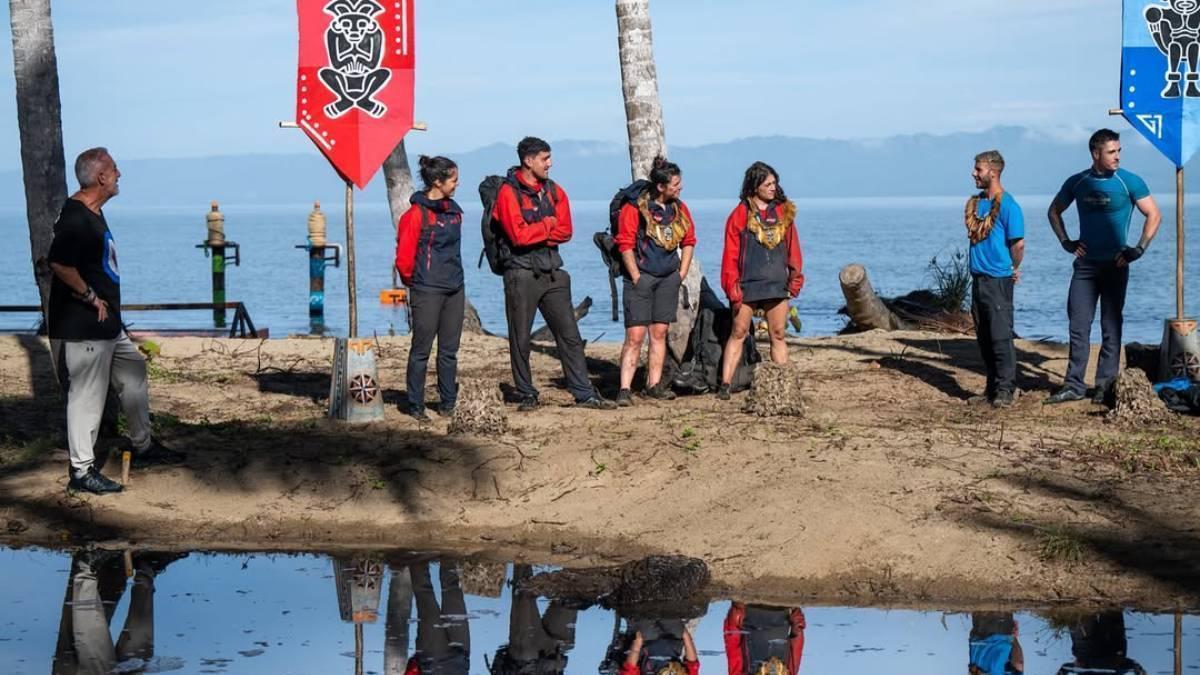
(496, 247)
(606, 241)
(701, 367)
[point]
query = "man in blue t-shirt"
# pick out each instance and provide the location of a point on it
(996, 229)
(1105, 196)
(994, 646)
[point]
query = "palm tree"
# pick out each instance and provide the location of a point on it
(639, 84)
(39, 118)
(647, 138)
(398, 176)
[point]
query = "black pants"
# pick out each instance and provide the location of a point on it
(992, 308)
(524, 294)
(439, 314)
(1093, 281)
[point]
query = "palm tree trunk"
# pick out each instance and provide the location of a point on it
(639, 84)
(39, 119)
(647, 138)
(398, 176)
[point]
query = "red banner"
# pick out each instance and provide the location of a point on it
(354, 84)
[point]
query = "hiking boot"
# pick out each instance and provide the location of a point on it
(723, 392)
(596, 402)
(624, 398)
(660, 392)
(1003, 399)
(94, 482)
(1064, 395)
(528, 404)
(156, 455)
(419, 415)
(445, 409)
(1099, 393)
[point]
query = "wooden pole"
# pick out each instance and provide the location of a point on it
(1179, 243)
(1178, 643)
(351, 284)
(358, 649)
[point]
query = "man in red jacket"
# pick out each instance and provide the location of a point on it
(535, 216)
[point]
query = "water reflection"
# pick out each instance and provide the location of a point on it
(416, 613)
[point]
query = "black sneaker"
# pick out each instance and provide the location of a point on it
(723, 392)
(445, 409)
(94, 482)
(660, 392)
(596, 402)
(156, 455)
(419, 415)
(1003, 399)
(624, 398)
(529, 404)
(1064, 395)
(1099, 394)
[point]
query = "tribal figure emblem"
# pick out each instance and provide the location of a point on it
(355, 43)
(1175, 28)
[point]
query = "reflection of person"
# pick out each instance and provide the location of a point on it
(661, 647)
(656, 237)
(443, 636)
(1098, 644)
(94, 588)
(996, 230)
(535, 216)
(761, 267)
(1105, 196)
(764, 640)
(994, 647)
(537, 643)
(429, 259)
(87, 339)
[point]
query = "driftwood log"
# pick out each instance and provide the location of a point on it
(543, 334)
(867, 311)
(471, 321)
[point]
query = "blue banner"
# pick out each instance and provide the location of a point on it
(1160, 74)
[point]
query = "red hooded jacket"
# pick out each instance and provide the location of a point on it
(733, 262)
(735, 640)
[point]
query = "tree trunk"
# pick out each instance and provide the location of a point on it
(647, 138)
(39, 119)
(865, 308)
(398, 176)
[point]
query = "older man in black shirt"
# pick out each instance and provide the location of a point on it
(91, 348)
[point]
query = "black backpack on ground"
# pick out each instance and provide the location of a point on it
(606, 241)
(701, 367)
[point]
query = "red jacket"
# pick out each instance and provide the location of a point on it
(509, 211)
(650, 257)
(735, 640)
(428, 244)
(732, 261)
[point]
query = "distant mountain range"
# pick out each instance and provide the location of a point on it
(912, 165)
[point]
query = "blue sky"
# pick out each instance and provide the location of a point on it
(166, 78)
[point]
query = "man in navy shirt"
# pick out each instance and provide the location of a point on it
(996, 230)
(1105, 196)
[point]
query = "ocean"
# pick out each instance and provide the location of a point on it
(894, 238)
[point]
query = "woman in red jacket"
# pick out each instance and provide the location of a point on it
(429, 260)
(657, 238)
(762, 265)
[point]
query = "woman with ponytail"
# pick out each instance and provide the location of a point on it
(762, 266)
(656, 237)
(429, 260)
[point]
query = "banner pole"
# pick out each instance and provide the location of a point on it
(1179, 243)
(351, 284)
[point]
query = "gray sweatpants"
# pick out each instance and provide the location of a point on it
(85, 369)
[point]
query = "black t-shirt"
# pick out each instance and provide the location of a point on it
(82, 241)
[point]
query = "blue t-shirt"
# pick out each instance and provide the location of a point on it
(991, 256)
(1105, 203)
(992, 654)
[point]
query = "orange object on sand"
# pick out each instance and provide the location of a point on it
(393, 296)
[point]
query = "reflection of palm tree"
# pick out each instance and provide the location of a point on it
(443, 636)
(395, 629)
(39, 119)
(537, 643)
(95, 586)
